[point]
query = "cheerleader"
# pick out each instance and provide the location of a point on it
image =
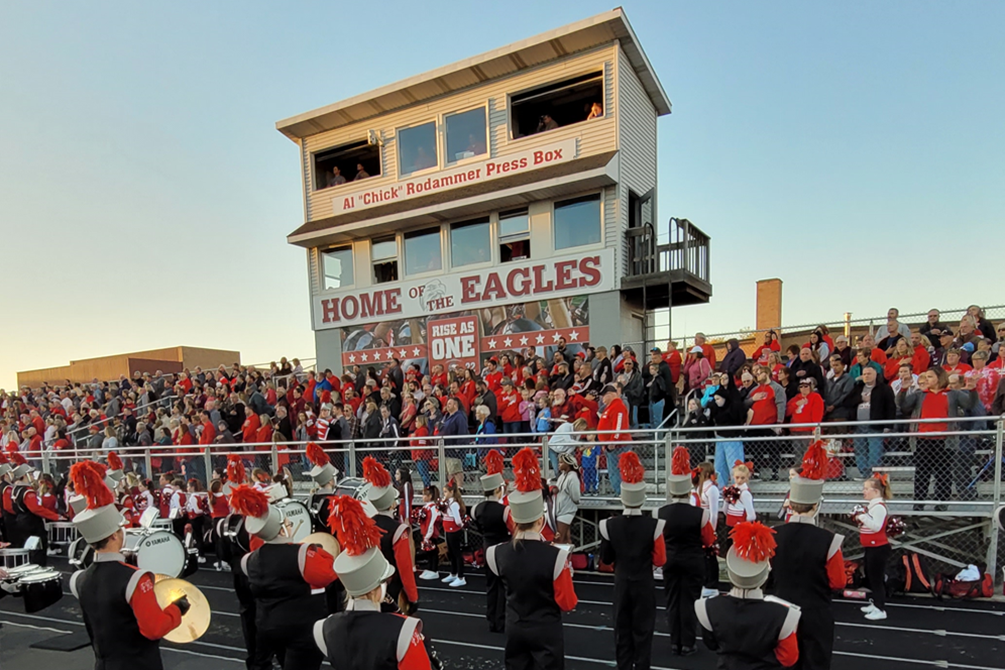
(177, 506)
(453, 527)
(493, 519)
(145, 499)
(536, 577)
(872, 534)
(706, 495)
(430, 523)
(219, 509)
(740, 502)
(262, 479)
(196, 508)
(47, 493)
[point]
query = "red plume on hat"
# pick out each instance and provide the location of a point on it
(89, 481)
(680, 461)
(753, 541)
(114, 462)
(317, 455)
(17, 459)
(526, 471)
(356, 532)
(494, 463)
(375, 473)
(12, 448)
(235, 470)
(3, 458)
(249, 501)
(631, 468)
(815, 461)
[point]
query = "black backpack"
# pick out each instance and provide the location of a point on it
(908, 573)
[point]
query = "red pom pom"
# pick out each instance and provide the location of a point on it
(317, 455)
(235, 470)
(356, 532)
(114, 462)
(89, 481)
(494, 463)
(249, 501)
(680, 461)
(814, 461)
(753, 541)
(731, 494)
(526, 471)
(631, 468)
(375, 473)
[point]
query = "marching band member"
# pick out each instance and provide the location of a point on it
(708, 498)
(430, 522)
(120, 610)
(687, 531)
(747, 631)
(287, 581)
(876, 545)
(29, 514)
(633, 543)
(362, 637)
(395, 543)
(324, 474)
(536, 576)
(808, 564)
(494, 521)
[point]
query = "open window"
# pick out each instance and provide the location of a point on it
(384, 257)
(349, 162)
(556, 105)
(514, 236)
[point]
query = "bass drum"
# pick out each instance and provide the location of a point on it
(356, 487)
(299, 517)
(159, 552)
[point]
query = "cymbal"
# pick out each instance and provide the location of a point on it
(327, 542)
(195, 622)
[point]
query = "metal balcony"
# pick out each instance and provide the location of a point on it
(665, 275)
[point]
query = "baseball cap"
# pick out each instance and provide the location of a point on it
(609, 388)
(697, 350)
(656, 350)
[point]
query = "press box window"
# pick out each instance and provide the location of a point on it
(417, 148)
(577, 222)
(422, 252)
(384, 256)
(466, 135)
(336, 265)
(556, 105)
(470, 243)
(514, 236)
(334, 167)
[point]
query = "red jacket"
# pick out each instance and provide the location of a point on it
(615, 418)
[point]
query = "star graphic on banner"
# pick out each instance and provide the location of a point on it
(402, 353)
(508, 341)
(415, 351)
(352, 358)
(556, 337)
(364, 357)
(540, 339)
(492, 344)
(574, 335)
(376, 355)
(523, 340)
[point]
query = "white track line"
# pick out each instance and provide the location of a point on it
(34, 627)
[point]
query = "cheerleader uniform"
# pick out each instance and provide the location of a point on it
(453, 526)
(144, 501)
(742, 509)
(709, 499)
(196, 507)
(876, 546)
(430, 520)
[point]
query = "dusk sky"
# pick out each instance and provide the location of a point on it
(853, 149)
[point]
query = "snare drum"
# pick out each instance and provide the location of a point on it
(299, 517)
(80, 553)
(61, 533)
(40, 589)
(12, 557)
(235, 535)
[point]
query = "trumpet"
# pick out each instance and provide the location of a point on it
(195, 622)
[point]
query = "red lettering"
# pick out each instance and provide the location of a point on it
(511, 286)
(392, 295)
(350, 307)
(493, 287)
(539, 286)
(589, 267)
(371, 304)
(329, 310)
(469, 289)
(563, 272)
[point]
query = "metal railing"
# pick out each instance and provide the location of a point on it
(687, 250)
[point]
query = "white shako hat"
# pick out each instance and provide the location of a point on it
(679, 482)
(261, 518)
(360, 565)
(77, 503)
(323, 471)
(236, 474)
(749, 559)
(115, 472)
(100, 519)
(5, 466)
(633, 475)
(807, 487)
(493, 477)
(526, 502)
(381, 493)
(20, 466)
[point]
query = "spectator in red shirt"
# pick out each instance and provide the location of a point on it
(922, 358)
(707, 349)
(877, 355)
(953, 364)
(771, 343)
(674, 360)
(763, 412)
(807, 407)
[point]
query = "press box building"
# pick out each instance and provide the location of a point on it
(503, 202)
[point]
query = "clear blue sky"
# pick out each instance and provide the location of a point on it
(853, 149)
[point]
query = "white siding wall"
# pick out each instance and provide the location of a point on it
(595, 137)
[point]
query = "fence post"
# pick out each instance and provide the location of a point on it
(656, 459)
(148, 467)
(275, 457)
(992, 558)
(209, 464)
(352, 459)
(545, 458)
(45, 462)
(442, 453)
